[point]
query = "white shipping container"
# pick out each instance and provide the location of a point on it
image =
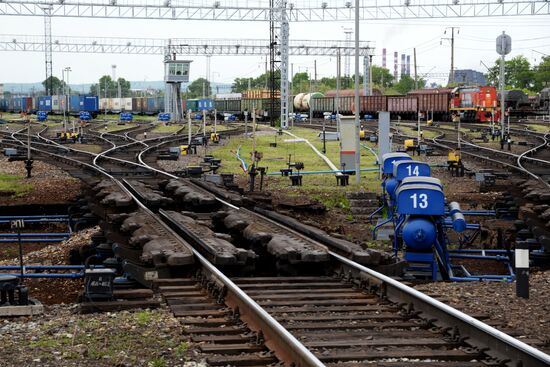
(127, 104)
(56, 104)
(115, 104)
(103, 104)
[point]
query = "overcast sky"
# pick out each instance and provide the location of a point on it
(475, 42)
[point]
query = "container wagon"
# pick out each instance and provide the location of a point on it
(137, 105)
(193, 104)
(154, 105)
(205, 104)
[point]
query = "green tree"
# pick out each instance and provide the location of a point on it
(56, 84)
(406, 84)
(517, 73)
(542, 74)
(106, 83)
(241, 84)
(381, 76)
(300, 83)
(198, 88)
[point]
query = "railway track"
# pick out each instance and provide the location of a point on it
(331, 312)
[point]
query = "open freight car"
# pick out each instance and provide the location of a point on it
(434, 103)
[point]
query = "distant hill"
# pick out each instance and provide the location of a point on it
(37, 88)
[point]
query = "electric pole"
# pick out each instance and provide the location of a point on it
(415, 75)
(452, 39)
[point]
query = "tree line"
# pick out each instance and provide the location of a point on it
(520, 74)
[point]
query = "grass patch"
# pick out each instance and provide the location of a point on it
(112, 127)
(14, 184)
(331, 201)
(276, 158)
(182, 349)
(539, 128)
(116, 117)
(92, 148)
(9, 252)
(163, 128)
(143, 317)
(157, 362)
(114, 339)
(428, 134)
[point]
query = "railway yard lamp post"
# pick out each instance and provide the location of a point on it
(504, 46)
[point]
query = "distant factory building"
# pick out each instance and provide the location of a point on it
(468, 76)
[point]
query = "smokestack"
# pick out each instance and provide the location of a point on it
(408, 71)
(395, 55)
(383, 57)
(403, 65)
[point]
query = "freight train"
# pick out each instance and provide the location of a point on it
(471, 103)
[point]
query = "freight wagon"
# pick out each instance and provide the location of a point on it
(404, 107)
(434, 102)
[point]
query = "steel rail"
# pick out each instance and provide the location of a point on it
(534, 150)
(274, 332)
(498, 342)
(504, 346)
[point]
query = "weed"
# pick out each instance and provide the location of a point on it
(182, 348)
(9, 252)
(46, 343)
(143, 318)
(14, 184)
(157, 362)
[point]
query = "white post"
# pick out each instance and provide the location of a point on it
(254, 133)
(357, 143)
(458, 133)
(215, 119)
(418, 128)
(492, 122)
(64, 101)
(337, 100)
(245, 123)
(189, 127)
(204, 124)
(501, 82)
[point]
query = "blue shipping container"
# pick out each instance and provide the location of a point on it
(45, 103)
(192, 104)
(74, 104)
(17, 104)
(206, 104)
(89, 104)
(153, 106)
